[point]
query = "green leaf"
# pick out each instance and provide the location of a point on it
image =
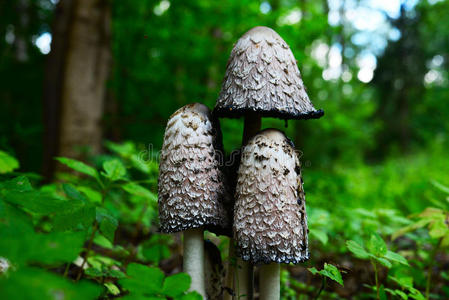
(138, 190)
(94, 272)
(72, 192)
(37, 284)
(176, 285)
(320, 235)
(125, 149)
(383, 261)
(441, 187)
(190, 296)
(395, 257)
(333, 273)
(112, 288)
(376, 245)
(18, 184)
(329, 271)
(142, 279)
(357, 249)
(91, 194)
(7, 163)
(20, 243)
(108, 223)
(114, 170)
(78, 166)
(438, 229)
(39, 202)
(83, 216)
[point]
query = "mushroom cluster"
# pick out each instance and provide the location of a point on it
(266, 214)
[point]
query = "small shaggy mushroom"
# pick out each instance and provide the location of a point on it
(191, 184)
(262, 77)
(270, 222)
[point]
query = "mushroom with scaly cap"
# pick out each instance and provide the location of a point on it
(191, 185)
(262, 79)
(270, 222)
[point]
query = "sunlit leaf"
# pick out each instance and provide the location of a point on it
(357, 249)
(7, 163)
(176, 285)
(114, 170)
(78, 166)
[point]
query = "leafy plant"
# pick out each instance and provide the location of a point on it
(145, 282)
(377, 253)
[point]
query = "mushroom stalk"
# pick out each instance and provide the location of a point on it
(269, 282)
(244, 281)
(193, 261)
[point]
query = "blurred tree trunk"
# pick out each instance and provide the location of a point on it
(77, 71)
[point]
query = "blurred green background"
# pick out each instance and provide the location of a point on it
(379, 70)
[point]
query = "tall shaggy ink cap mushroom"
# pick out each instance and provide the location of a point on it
(262, 77)
(270, 222)
(191, 184)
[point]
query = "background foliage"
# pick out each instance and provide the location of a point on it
(375, 166)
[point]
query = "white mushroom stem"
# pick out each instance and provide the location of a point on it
(193, 263)
(269, 282)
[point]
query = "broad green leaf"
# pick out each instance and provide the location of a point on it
(333, 273)
(82, 216)
(108, 223)
(114, 170)
(72, 192)
(138, 190)
(20, 243)
(392, 256)
(403, 281)
(18, 184)
(383, 261)
(39, 202)
(142, 279)
(329, 271)
(125, 149)
(176, 285)
(376, 245)
(438, 229)
(91, 194)
(37, 284)
(357, 249)
(320, 235)
(7, 163)
(78, 166)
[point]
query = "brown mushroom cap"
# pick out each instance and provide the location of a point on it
(262, 76)
(270, 222)
(191, 184)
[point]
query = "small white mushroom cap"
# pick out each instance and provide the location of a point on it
(270, 222)
(191, 184)
(262, 76)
